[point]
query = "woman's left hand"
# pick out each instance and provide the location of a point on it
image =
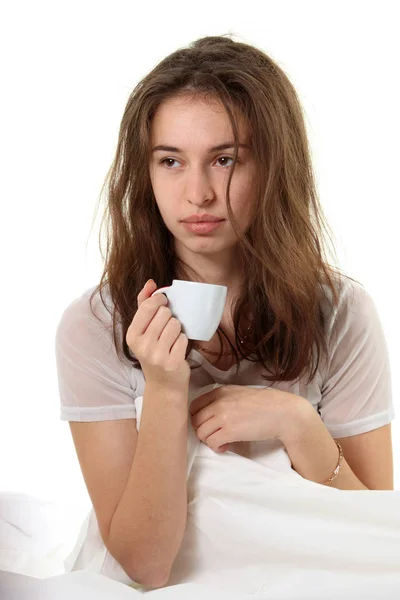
(232, 413)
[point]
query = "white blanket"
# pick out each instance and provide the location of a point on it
(250, 532)
(262, 531)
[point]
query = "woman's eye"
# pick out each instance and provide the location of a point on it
(225, 158)
(164, 161)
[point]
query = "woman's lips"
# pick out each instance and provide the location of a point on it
(202, 226)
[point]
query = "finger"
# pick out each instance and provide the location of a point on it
(179, 347)
(164, 329)
(202, 401)
(146, 312)
(217, 440)
(207, 429)
(202, 415)
(224, 447)
(149, 287)
(170, 335)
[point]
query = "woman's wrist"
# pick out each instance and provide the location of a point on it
(296, 417)
(312, 451)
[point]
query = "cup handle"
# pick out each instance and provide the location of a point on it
(160, 290)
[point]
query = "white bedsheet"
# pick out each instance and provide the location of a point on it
(253, 530)
(84, 585)
(293, 545)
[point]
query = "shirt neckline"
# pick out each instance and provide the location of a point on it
(213, 370)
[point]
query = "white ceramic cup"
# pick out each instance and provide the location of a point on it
(198, 306)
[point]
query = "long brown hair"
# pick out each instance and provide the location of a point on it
(285, 271)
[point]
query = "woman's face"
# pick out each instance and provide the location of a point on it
(190, 177)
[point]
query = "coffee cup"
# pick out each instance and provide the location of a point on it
(198, 306)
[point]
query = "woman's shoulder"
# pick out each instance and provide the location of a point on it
(355, 303)
(96, 381)
(93, 309)
(88, 318)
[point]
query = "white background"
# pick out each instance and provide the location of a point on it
(67, 71)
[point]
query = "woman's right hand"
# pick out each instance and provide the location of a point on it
(156, 339)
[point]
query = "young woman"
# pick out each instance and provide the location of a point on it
(215, 133)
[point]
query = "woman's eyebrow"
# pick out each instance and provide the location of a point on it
(223, 146)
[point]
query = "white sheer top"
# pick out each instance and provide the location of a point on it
(351, 390)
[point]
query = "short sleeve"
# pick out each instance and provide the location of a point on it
(356, 393)
(94, 384)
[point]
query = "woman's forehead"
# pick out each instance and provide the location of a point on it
(179, 121)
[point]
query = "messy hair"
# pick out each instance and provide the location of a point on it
(286, 274)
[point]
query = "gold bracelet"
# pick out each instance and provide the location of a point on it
(336, 471)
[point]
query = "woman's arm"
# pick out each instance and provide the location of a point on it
(314, 454)
(233, 413)
(151, 515)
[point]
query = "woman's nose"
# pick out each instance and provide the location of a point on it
(199, 188)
